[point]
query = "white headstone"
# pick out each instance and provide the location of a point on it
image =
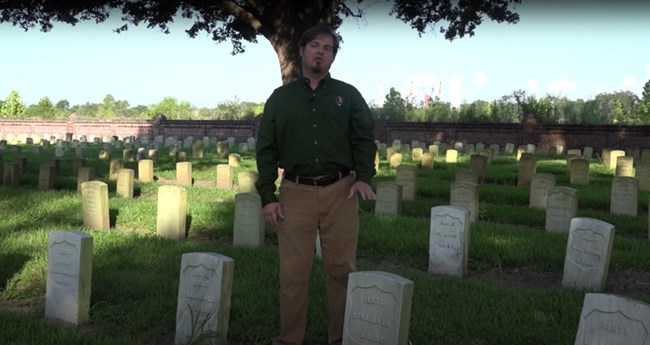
(613, 320)
(561, 207)
(541, 184)
(377, 309)
(249, 223)
(69, 272)
(407, 177)
(204, 297)
(389, 198)
(624, 198)
(448, 240)
(588, 251)
(465, 195)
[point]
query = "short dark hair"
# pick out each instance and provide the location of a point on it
(311, 33)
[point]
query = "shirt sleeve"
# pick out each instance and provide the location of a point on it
(267, 154)
(362, 139)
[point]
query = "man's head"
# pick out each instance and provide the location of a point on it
(318, 47)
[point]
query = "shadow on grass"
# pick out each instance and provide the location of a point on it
(113, 214)
(12, 263)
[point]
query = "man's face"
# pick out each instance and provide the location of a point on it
(318, 54)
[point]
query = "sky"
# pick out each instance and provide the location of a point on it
(558, 48)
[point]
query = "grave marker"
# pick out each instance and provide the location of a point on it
(624, 199)
(249, 222)
(172, 212)
(234, 160)
(478, 164)
(448, 240)
(222, 149)
(452, 156)
(115, 166)
(76, 164)
(204, 297)
(395, 160)
(69, 274)
(427, 161)
(561, 207)
(625, 166)
(407, 177)
(389, 198)
(465, 195)
(224, 176)
(184, 173)
(85, 174)
(197, 149)
(94, 200)
(145, 171)
(125, 183)
(11, 174)
(579, 172)
(642, 173)
(416, 154)
(46, 176)
(377, 309)
(589, 249)
(540, 186)
(611, 319)
(246, 181)
(613, 158)
(527, 169)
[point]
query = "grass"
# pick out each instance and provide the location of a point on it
(135, 273)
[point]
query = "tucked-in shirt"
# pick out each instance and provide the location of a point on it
(313, 133)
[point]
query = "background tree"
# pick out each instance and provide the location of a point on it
(62, 108)
(44, 109)
(13, 106)
(644, 104)
(395, 107)
(279, 21)
(173, 109)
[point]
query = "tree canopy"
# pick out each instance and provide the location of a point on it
(279, 21)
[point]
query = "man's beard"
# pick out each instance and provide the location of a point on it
(317, 69)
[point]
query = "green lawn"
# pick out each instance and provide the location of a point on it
(506, 298)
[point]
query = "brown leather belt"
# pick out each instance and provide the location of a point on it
(317, 182)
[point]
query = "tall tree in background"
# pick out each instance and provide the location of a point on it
(13, 106)
(279, 21)
(644, 104)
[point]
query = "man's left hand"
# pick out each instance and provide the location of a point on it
(364, 190)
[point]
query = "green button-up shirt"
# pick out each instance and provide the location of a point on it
(314, 132)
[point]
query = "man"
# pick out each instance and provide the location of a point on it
(321, 132)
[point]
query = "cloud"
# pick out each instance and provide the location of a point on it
(629, 82)
(533, 85)
(455, 94)
(562, 84)
(479, 78)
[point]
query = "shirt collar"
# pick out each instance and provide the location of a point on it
(322, 83)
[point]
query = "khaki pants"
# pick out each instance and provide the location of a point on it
(308, 209)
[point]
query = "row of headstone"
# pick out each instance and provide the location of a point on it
(588, 250)
(378, 304)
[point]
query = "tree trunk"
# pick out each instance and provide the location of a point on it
(290, 19)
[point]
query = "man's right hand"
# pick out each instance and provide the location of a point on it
(271, 213)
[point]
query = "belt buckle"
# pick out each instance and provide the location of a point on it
(316, 183)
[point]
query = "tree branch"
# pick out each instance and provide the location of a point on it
(240, 13)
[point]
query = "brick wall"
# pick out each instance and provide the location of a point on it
(240, 130)
(529, 132)
(545, 138)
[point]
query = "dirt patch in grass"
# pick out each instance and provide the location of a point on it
(628, 283)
